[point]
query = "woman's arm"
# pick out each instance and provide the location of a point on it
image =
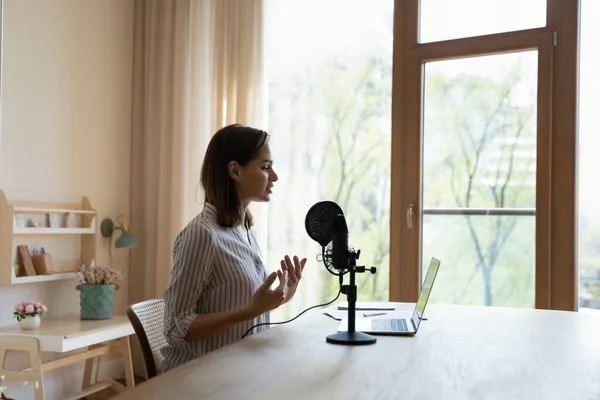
(263, 300)
(193, 258)
(208, 325)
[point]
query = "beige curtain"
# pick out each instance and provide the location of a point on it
(197, 67)
(237, 64)
(238, 84)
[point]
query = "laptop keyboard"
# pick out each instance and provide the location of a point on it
(395, 325)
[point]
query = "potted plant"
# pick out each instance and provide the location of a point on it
(29, 314)
(97, 291)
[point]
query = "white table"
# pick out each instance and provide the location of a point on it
(460, 352)
(64, 334)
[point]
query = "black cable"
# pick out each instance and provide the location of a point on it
(290, 320)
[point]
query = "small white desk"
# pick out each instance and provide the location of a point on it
(64, 334)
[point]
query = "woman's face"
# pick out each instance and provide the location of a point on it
(255, 180)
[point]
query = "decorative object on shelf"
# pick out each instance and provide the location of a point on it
(97, 291)
(43, 262)
(53, 221)
(19, 220)
(70, 221)
(29, 313)
(26, 261)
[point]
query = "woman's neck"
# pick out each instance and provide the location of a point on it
(244, 204)
(242, 222)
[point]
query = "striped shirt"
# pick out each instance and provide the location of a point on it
(215, 269)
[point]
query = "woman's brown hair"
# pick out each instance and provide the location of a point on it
(237, 143)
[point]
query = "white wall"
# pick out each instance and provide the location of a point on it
(65, 133)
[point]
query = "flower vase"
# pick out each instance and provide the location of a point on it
(30, 322)
(96, 301)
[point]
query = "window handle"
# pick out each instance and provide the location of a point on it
(410, 211)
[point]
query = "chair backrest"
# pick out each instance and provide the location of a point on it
(33, 373)
(147, 320)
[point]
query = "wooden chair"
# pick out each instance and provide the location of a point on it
(32, 374)
(147, 320)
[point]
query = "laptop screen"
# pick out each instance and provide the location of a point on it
(434, 265)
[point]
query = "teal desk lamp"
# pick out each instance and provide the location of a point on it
(127, 239)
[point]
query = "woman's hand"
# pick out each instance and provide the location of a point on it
(294, 273)
(267, 299)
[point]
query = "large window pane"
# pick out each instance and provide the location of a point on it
(479, 178)
(329, 73)
(452, 19)
(589, 162)
(489, 260)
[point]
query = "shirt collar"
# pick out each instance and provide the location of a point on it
(210, 210)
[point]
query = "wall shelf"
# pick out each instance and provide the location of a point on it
(55, 231)
(84, 227)
(37, 210)
(58, 276)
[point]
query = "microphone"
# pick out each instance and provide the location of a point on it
(339, 245)
(326, 224)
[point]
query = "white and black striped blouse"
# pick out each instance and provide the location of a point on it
(215, 269)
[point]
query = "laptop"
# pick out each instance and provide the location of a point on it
(399, 326)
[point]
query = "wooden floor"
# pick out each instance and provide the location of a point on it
(108, 393)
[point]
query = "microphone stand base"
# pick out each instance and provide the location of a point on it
(351, 338)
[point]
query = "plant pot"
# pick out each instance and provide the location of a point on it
(96, 301)
(30, 322)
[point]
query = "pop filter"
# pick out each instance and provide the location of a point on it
(320, 221)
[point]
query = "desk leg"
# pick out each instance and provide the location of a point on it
(127, 362)
(89, 368)
(87, 373)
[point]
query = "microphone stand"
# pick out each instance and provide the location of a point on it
(352, 337)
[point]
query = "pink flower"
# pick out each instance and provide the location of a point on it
(19, 308)
(38, 310)
(29, 308)
(38, 305)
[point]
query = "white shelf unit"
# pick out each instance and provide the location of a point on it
(55, 231)
(10, 272)
(58, 276)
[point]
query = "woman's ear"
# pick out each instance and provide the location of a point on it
(234, 171)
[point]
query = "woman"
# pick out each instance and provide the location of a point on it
(219, 286)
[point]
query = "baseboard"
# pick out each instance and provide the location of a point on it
(67, 380)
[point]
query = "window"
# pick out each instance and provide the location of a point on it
(489, 99)
(589, 162)
(479, 178)
(474, 175)
(329, 77)
(453, 19)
